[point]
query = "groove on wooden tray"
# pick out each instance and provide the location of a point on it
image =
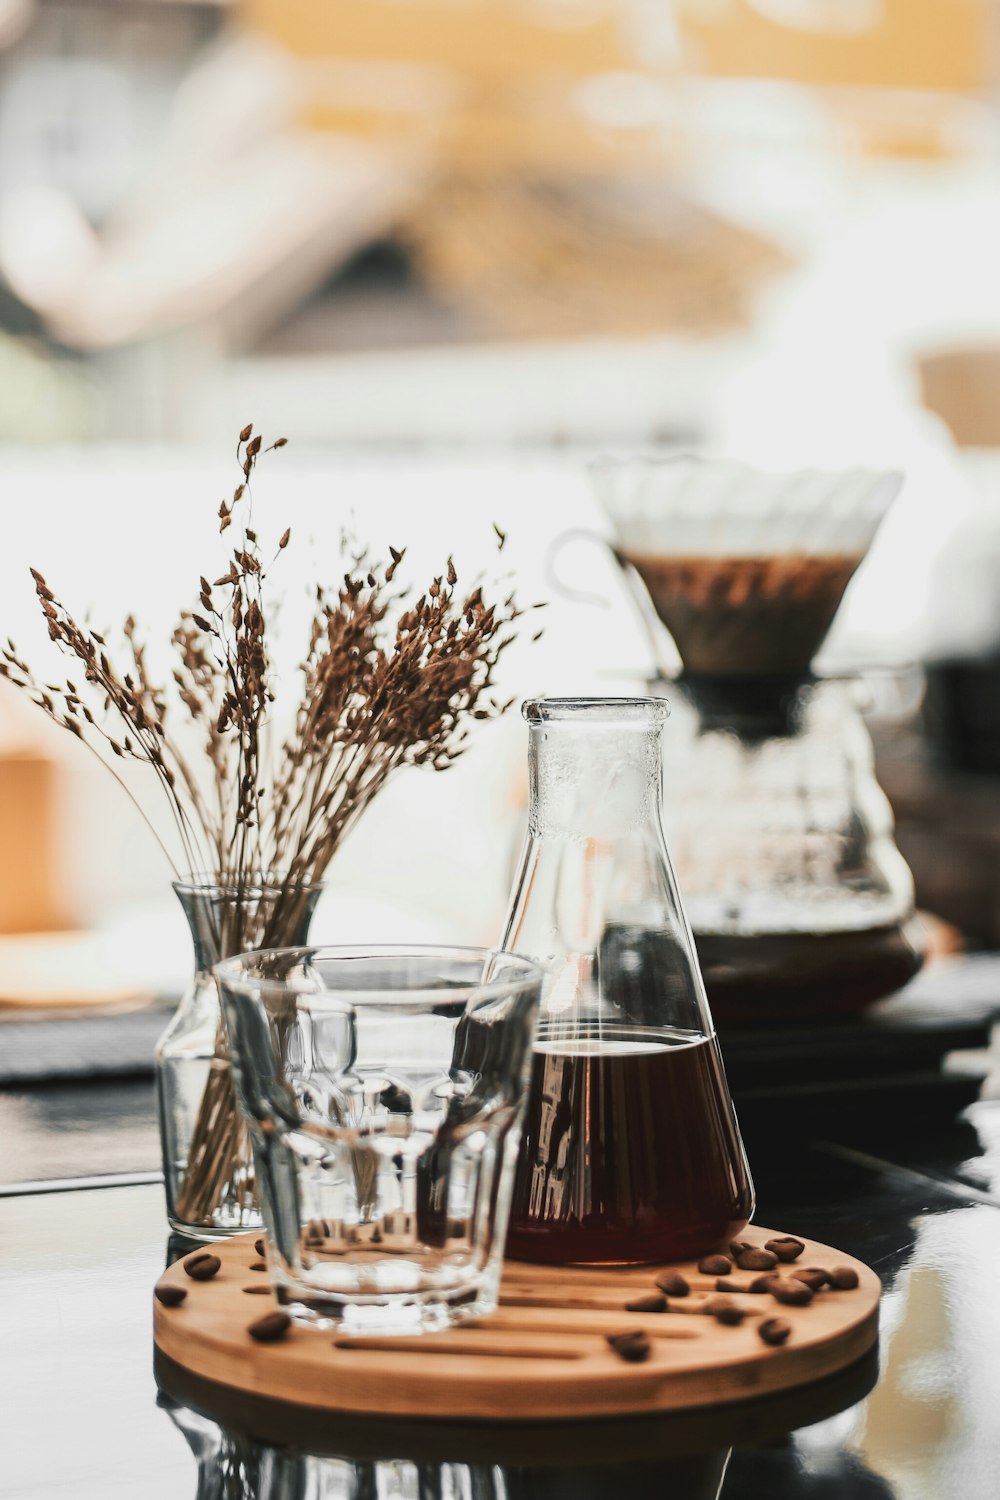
(564, 1321)
(492, 1347)
(577, 1303)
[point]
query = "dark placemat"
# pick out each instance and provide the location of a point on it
(54, 1046)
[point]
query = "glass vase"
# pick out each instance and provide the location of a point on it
(208, 1170)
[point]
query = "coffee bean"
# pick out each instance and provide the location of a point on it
(633, 1348)
(650, 1304)
(774, 1331)
(785, 1247)
(168, 1294)
(756, 1260)
(737, 1247)
(260, 1248)
(715, 1265)
(791, 1293)
(762, 1284)
(673, 1283)
(257, 1291)
(813, 1276)
(725, 1311)
(272, 1326)
(203, 1266)
(843, 1278)
(258, 1265)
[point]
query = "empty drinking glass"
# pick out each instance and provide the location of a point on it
(383, 1088)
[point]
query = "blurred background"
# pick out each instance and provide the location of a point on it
(452, 249)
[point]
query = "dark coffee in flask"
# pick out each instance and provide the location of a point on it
(630, 1151)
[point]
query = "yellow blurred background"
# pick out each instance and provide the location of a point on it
(451, 248)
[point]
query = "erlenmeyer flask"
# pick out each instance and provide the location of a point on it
(631, 1151)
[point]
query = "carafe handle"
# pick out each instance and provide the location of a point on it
(555, 579)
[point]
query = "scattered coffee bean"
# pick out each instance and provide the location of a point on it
(272, 1326)
(843, 1278)
(260, 1248)
(258, 1265)
(633, 1348)
(785, 1247)
(725, 1311)
(651, 1304)
(791, 1293)
(756, 1260)
(673, 1283)
(169, 1295)
(737, 1247)
(774, 1331)
(813, 1276)
(715, 1265)
(762, 1284)
(258, 1290)
(203, 1266)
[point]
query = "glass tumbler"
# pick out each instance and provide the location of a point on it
(383, 1089)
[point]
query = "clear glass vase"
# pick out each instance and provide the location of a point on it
(631, 1152)
(208, 1170)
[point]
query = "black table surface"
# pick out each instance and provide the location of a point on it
(81, 1414)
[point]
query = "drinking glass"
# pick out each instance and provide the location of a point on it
(383, 1089)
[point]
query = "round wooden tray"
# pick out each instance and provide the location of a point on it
(542, 1356)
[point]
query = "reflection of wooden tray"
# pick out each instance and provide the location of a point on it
(542, 1356)
(594, 1444)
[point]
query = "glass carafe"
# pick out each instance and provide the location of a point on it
(800, 901)
(801, 904)
(631, 1152)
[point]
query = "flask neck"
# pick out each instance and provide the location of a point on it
(601, 781)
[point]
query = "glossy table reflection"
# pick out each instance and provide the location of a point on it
(81, 1414)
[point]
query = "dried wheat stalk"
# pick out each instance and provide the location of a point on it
(385, 682)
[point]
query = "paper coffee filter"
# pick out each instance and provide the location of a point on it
(688, 506)
(746, 569)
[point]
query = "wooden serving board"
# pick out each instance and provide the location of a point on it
(542, 1356)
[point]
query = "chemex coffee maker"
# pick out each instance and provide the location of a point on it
(800, 902)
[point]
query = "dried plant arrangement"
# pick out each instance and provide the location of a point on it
(386, 681)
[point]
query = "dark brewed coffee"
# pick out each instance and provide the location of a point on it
(737, 615)
(630, 1150)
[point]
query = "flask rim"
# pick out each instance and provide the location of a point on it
(640, 712)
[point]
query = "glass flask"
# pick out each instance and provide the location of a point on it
(631, 1151)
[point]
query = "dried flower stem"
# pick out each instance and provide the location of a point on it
(385, 683)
